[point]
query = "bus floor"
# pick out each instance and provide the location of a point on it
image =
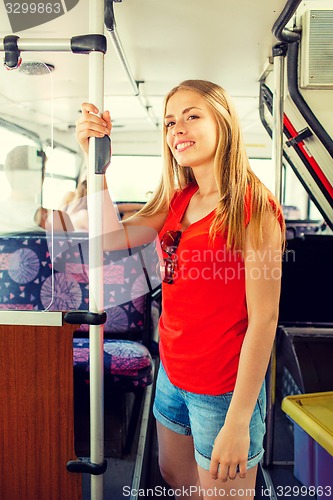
(132, 464)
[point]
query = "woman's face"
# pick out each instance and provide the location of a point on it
(191, 129)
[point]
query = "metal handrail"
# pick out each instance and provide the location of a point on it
(110, 24)
(292, 38)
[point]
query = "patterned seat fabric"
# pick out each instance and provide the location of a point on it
(129, 363)
(28, 283)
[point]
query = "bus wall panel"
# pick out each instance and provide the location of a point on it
(36, 414)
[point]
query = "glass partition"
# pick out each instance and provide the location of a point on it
(44, 257)
(26, 110)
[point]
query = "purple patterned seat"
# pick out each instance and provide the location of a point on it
(27, 283)
(129, 363)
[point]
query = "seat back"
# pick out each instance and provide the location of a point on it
(39, 273)
(307, 274)
(53, 275)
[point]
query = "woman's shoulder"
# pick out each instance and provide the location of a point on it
(269, 203)
(276, 209)
(181, 197)
(67, 198)
(181, 193)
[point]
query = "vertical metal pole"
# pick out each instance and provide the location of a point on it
(96, 333)
(279, 53)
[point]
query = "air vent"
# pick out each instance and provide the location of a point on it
(316, 70)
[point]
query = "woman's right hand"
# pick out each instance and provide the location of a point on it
(90, 124)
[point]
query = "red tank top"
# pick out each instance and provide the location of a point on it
(204, 315)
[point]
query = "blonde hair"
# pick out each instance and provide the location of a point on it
(234, 177)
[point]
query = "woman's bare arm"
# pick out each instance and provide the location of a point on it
(263, 278)
(136, 230)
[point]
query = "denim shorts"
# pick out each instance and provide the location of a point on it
(202, 417)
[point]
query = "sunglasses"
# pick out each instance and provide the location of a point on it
(169, 245)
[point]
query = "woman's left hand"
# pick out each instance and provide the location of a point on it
(230, 452)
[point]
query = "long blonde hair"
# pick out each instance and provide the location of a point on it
(234, 177)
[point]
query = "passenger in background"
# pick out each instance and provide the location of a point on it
(75, 206)
(24, 170)
(222, 234)
(22, 212)
(126, 210)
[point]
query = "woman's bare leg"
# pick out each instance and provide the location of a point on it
(177, 464)
(238, 488)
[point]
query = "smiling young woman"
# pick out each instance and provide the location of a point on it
(218, 316)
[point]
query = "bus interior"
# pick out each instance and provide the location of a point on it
(79, 326)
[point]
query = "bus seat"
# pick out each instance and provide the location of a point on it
(305, 327)
(26, 283)
(305, 289)
(129, 363)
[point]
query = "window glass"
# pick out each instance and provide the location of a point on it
(25, 94)
(61, 162)
(264, 169)
(296, 201)
(62, 171)
(9, 140)
(55, 190)
(134, 178)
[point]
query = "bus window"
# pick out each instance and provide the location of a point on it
(295, 200)
(264, 169)
(61, 175)
(133, 178)
(9, 140)
(295, 195)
